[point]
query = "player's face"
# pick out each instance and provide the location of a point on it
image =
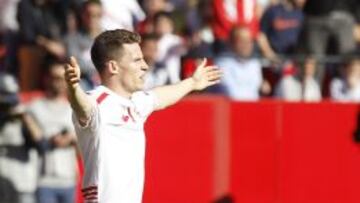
(132, 68)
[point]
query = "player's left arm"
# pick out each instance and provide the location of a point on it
(203, 77)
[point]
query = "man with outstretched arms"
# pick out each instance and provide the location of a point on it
(109, 120)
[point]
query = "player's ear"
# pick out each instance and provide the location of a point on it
(113, 67)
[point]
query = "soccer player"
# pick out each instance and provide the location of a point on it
(109, 120)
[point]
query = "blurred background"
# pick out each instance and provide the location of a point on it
(283, 126)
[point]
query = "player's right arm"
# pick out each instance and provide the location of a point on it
(79, 100)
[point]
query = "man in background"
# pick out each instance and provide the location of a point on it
(57, 178)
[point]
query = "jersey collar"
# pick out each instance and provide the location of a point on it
(119, 98)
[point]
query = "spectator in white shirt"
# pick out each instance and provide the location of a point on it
(242, 79)
(121, 14)
(347, 87)
(170, 45)
(57, 175)
(8, 10)
(289, 87)
(310, 86)
(301, 86)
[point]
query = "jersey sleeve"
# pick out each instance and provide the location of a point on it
(145, 102)
(91, 125)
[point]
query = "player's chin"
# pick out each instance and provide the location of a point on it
(140, 86)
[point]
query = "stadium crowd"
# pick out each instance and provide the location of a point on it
(296, 50)
(290, 49)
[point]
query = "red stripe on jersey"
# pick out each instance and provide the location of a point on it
(102, 97)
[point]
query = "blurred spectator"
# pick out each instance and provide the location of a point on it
(328, 20)
(230, 13)
(282, 24)
(58, 161)
(197, 47)
(198, 16)
(73, 20)
(9, 34)
(8, 10)
(195, 15)
(302, 86)
(39, 26)
(121, 14)
(157, 74)
(328, 29)
(199, 37)
(347, 87)
(179, 4)
(19, 137)
(356, 11)
(78, 43)
(242, 74)
(151, 7)
(310, 86)
(264, 4)
(289, 86)
(61, 9)
(2, 54)
(170, 46)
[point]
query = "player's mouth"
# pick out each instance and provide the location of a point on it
(142, 77)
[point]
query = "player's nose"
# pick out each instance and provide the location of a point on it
(144, 66)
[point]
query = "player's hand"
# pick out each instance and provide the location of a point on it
(72, 73)
(205, 76)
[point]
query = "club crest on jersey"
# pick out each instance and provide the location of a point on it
(125, 118)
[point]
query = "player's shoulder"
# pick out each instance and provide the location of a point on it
(97, 95)
(138, 95)
(145, 102)
(141, 93)
(143, 97)
(95, 92)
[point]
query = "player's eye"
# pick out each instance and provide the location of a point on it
(139, 60)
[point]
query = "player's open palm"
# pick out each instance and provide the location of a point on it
(205, 76)
(72, 73)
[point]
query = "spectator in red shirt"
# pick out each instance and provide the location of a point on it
(230, 13)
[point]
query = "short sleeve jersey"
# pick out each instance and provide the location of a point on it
(112, 144)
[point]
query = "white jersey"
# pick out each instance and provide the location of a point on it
(113, 146)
